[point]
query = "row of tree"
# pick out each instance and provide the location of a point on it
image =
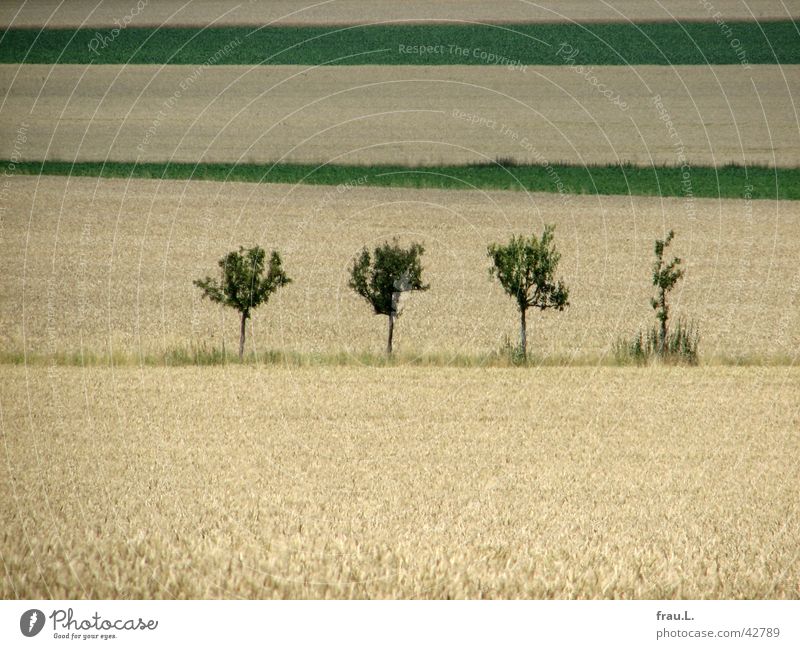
(525, 267)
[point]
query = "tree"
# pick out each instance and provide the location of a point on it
(525, 268)
(664, 278)
(382, 278)
(243, 284)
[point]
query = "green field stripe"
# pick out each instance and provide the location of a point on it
(731, 181)
(672, 43)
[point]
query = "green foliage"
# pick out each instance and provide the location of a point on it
(665, 43)
(193, 355)
(730, 181)
(507, 355)
(511, 353)
(382, 277)
(681, 346)
(526, 268)
(665, 276)
(242, 284)
(671, 345)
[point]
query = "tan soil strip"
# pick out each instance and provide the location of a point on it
(409, 115)
(54, 13)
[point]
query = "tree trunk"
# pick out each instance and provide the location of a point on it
(663, 323)
(523, 334)
(391, 334)
(241, 336)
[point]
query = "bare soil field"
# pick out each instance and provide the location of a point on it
(106, 266)
(408, 115)
(53, 13)
(403, 483)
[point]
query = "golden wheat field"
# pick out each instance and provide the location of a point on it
(54, 13)
(402, 114)
(140, 459)
(346, 481)
(402, 482)
(105, 267)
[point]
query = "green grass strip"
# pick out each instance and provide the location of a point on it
(202, 357)
(673, 43)
(731, 181)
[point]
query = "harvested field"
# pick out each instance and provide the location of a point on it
(53, 13)
(551, 483)
(406, 115)
(105, 266)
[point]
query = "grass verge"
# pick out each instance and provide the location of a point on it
(731, 181)
(679, 346)
(194, 356)
(673, 43)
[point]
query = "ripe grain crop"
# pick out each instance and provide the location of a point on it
(105, 267)
(175, 13)
(413, 115)
(403, 483)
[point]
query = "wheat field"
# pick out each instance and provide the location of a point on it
(346, 481)
(317, 469)
(404, 483)
(105, 267)
(403, 114)
(172, 13)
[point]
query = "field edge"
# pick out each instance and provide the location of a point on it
(729, 181)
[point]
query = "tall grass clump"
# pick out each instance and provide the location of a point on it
(677, 343)
(680, 346)
(508, 354)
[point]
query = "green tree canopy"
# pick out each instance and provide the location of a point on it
(665, 276)
(383, 276)
(525, 268)
(245, 283)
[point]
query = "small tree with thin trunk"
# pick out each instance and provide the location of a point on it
(526, 269)
(244, 283)
(677, 343)
(383, 277)
(664, 278)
